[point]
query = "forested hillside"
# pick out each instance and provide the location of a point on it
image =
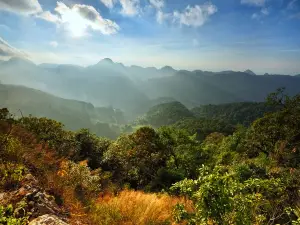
(249, 175)
(234, 113)
(23, 101)
(134, 89)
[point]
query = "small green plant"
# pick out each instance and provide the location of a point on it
(8, 216)
(10, 175)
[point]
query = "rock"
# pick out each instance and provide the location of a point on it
(29, 179)
(38, 202)
(47, 219)
(2, 197)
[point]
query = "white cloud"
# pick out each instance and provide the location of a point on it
(195, 16)
(254, 2)
(6, 50)
(130, 7)
(108, 3)
(79, 18)
(161, 16)
(48, 16)
(54, 44)
(158, 4)
(26, 7)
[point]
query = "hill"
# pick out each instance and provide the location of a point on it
(166, 114)
(74, 114)
(197, 88)
(234, 113)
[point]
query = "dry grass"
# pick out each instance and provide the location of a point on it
(136, 208)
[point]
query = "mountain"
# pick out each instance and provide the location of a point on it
(104, 84)
(234, 113)
(188, 88)
(48, 65)
(249, 72)
(195, 88)
(20, 71)
(23, 101)
(168, 70)
(133, 88)
(167, 113)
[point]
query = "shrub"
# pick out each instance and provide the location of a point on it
(10, 175)
(8, 215)
(79, 177)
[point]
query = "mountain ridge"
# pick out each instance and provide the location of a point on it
(132, 89)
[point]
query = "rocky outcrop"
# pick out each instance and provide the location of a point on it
(35, 202)
(47, 220)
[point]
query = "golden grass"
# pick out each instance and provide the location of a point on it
(136, 208)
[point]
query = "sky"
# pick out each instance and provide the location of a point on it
(216, 35)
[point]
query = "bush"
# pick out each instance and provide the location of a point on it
(9, 216)
(79, 177)
(10, 175)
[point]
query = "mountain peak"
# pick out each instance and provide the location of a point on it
(167, 68)
(106, 60)
(250, 72)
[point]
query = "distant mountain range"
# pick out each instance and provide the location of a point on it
(134, 89)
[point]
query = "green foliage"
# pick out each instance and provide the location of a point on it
(52, 133)
(220, 198)
(167, 114)
(10, 175)
(184, 152)
(10, 148)
(232, 174)
(251, 176)
(91, 147)
(234, 113)
(105, 130)
(277, 134)
(204, 127)
(80, 178)
(135, 158)
(9, 216)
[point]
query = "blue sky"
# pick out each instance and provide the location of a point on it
(262, 35)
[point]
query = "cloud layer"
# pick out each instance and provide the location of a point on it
(25, 6)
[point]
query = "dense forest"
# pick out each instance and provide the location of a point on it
(215, 164)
